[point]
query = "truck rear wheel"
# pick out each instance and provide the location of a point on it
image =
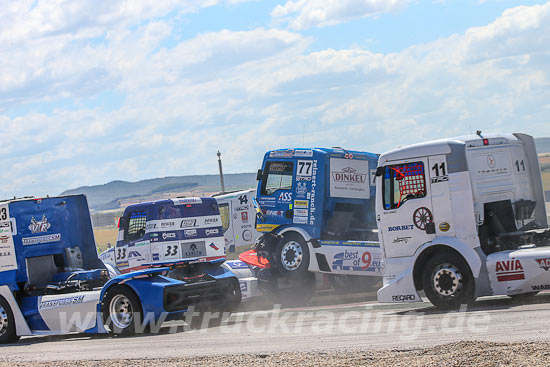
(448, 281)
(292, 255)
(7, 323)
(121, 310)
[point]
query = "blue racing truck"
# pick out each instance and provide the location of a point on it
(315, 208)
(52, 281)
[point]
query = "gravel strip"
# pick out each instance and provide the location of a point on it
(466, 353)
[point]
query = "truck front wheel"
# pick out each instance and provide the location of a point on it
(292, 255)
(121, 310)
(448, 281)
(7, 323)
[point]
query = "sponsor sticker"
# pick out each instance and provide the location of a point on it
(42, 239)
(190, 233)
(300, 220)
(184, 201)
(54, 303)
(349, 178)
(169, 235)
(402, 240)
(210, 232)
(544, 263)
(303, 153)
(406, 227)
(40, 226)
(188, 223)
(301, 204)
(509, 270)
(300, 212)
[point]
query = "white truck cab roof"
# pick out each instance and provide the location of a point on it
(445, 146)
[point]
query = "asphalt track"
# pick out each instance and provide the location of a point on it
(334, 323)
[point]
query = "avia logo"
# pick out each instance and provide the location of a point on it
(214, 246)
(39, 226)
(544, 263)
(509, 270)
(350, 175)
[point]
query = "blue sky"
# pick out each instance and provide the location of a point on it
(92, 92)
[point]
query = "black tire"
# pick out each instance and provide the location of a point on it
(292, 256)
(448, 281)
(123, 299)
(7, 323)
(299, 292)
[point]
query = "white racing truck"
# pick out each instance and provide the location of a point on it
(462, 218)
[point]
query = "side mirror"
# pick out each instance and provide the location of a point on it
(120, 221)
(380, 171)
(259, 175)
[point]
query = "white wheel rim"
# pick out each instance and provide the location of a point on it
(4, 322)
(121, 312)
(447, 280)
(292, 255)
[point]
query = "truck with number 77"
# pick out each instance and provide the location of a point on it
(315, 210)
(462, 218)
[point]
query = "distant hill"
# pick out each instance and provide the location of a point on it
(105, 196)
(543, 145)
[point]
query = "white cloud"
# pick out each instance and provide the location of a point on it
(244, 92)
(303, 14)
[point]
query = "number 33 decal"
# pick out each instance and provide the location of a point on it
(171, 250)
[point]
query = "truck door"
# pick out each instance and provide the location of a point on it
(134, 250)
(275, 195)
(405, 221)
(228, 233)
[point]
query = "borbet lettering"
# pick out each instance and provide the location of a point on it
(349, 174)
(401, 228)
(509, 270)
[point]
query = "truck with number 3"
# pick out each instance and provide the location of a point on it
(52, 281)
(462, 218)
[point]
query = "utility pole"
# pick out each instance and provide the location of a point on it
(221, 171)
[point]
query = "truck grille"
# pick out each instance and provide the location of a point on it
(203, 293)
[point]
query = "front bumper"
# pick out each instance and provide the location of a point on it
(398, 282)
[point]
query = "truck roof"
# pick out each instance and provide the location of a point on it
(309, 152)
(445, 146)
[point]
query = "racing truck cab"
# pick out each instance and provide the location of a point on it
(175, 233)
(52, 281)
(315, 209)
(461, 218)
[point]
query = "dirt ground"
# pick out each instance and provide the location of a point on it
(467, 353)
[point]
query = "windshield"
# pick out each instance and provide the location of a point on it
(277, 176)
